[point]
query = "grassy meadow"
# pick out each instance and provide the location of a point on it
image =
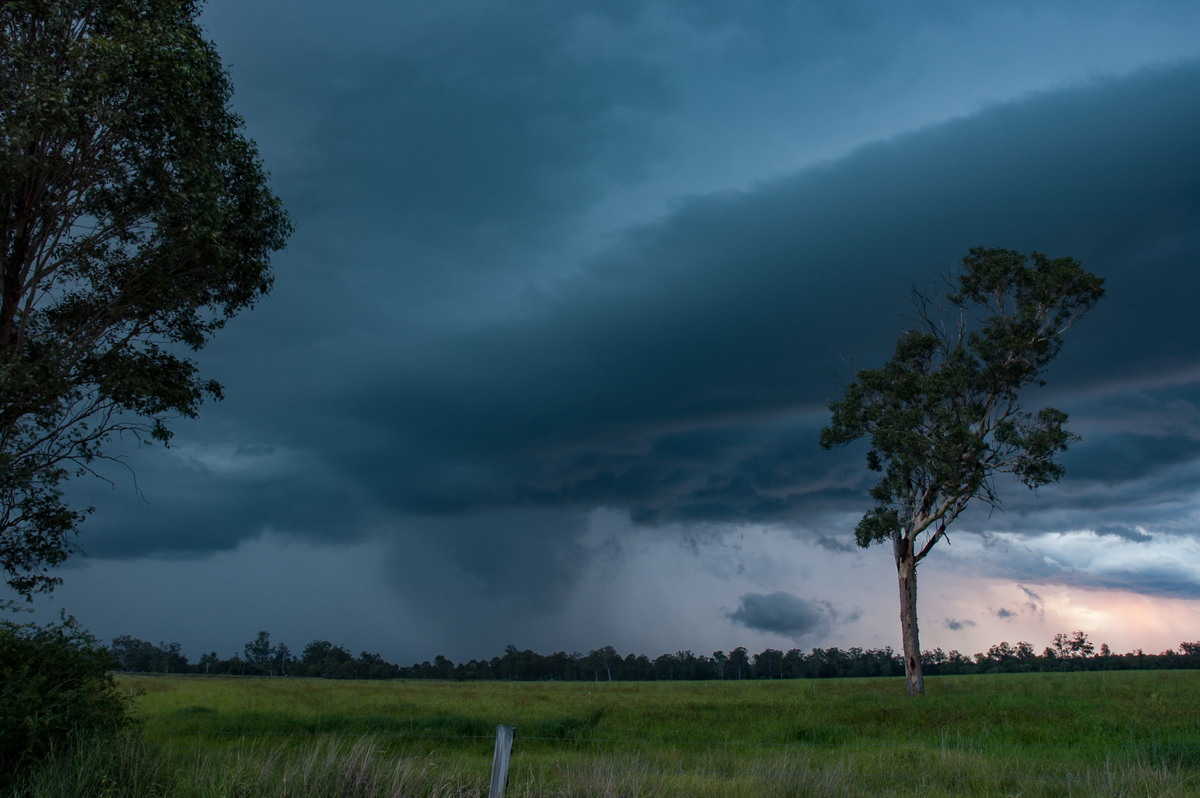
(1100, 733)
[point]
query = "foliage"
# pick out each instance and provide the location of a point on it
(54, 689)
(135, 220)
(259, 652)
(944, 415)
(132, 654)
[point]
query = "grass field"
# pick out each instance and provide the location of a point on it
(1115, 733)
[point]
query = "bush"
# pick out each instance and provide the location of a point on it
(55, 690)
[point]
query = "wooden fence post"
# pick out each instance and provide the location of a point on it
(504, 741)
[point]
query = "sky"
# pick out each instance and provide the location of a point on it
(572, 285)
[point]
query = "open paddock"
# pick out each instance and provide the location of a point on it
(1128, 733)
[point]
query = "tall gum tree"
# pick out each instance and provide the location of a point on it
(135, 220)
(944, 416)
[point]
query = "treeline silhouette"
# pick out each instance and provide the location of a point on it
(323, 659)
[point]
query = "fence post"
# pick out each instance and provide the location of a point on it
(504, 741)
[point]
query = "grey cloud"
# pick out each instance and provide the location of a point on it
(835, 544)
(189, 502)
(1136, 466)
(1036, 603)
(1124, 532)
(785, 614)
(1140, 451)
(680, 376)
(1032, 559)
(955, 625)
(1158, 500)
(1145, 578)
(1149, 580)
(1005, 613)
(733, 310)
(1120, 457)
(514, 562)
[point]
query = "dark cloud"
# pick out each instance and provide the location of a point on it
(955, 625)
(1119, 458)
(504, 564)
(680, 376)
(1160, 565)
(1036, 603)
(194, 499)
(1005, 613)
(784, 614)
(561, 261)
(841, 545)
(1135, 469)
(709, 327)
(1125, 533)
(1147, 579)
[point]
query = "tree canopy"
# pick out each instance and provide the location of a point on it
(135, 220)
(944, 414)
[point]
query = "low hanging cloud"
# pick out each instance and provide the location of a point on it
(1124, 533)
(680, 375)
(656, 378)
(786, 614)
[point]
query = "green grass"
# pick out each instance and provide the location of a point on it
(1115, 733)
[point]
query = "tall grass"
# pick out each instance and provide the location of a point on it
(129, 766)
(1126, 733)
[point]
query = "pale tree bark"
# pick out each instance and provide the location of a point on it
(906, 571)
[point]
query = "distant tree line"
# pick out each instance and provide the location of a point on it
(323, 659)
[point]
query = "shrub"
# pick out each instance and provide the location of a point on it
(55, 690)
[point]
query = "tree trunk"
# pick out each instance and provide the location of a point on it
(906, 571)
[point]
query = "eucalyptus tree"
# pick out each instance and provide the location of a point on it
(944, 415)
(135, 220)
(260, 654)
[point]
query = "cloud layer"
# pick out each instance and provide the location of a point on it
(611, 260)
(786, 614)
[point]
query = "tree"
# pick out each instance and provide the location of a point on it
(322, 658)
(769, 664)
(282, 660)
(55, 690)
(1072, 646)
(141, 656)
(944, 415)
(260, 654)
(135, 220)
(738, 661)
(719, 658)
(209, 661)
(602, 659)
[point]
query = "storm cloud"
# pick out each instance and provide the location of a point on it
(680, 374)
(784, 614)
(567, 276)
